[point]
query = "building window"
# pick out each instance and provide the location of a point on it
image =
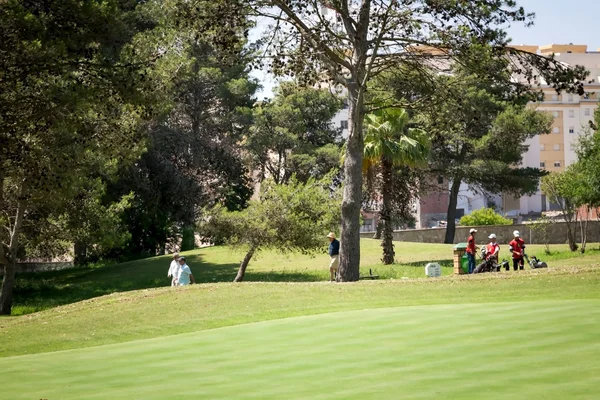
(344, 124)
(554, 97)
(573, 146)
(555, 114)
(570, 97)
(345, 104)
(440, 180)
(542, 147)
(556, 129)
(556, 164)
(571, 114)
(542, 164)
(571, 129)
(587, 111)
(557, 147)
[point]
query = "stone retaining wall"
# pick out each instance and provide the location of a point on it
(557, 233)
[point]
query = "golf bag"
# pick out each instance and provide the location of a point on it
(488, 265)
(534, 263)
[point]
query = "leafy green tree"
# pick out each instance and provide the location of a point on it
(194, 154)
(478, 129)
(484, 216)
(293, 134)
(347, 43)
(588, 169)
(70, 107)
(585, 197)
(588, 155)
(575, 191)
(390, 142)
(291, 217)
(560, 188)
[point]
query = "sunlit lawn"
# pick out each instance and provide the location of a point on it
(219, 264)
(527, 334)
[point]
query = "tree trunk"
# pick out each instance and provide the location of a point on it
(244, 264)
(568, 216)
(583, 225)
(8, 281)
(378, 229)
(80, 250)
(386, 213)
(8, 285)
(352, 196)
(571, 238)
(3, 260)
(451, 214)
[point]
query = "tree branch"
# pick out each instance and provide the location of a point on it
(309, 35)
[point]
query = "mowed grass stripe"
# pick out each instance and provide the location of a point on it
(543, 349)
(163, 312)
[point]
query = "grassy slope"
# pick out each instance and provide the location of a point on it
(494, 351)
(165, 311)
(477, 335)
(37, 292)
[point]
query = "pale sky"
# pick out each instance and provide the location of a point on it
(557, 21)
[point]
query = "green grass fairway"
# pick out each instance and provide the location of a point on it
(36, 292)
(520, 350)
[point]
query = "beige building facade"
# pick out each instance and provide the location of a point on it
(555, 151)
(571, 114)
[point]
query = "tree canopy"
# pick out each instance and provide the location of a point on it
(390, 143)
(478, 127)
(69, 106)
(292, 217)
(81, 85)
(292, 134)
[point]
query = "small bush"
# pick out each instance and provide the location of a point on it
(484, 216)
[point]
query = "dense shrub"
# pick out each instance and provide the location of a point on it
(484, 216)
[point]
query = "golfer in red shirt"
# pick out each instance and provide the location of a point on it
(492, 249)
(471, 249)
(517, 248)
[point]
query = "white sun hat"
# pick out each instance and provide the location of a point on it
(492, 236)
(516, 234)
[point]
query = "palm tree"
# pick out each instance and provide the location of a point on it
(389, 142)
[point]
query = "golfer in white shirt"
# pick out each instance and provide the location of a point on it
(174, 269)
(185, 276)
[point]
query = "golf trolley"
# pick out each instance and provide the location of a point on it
(534, 263)
(489, 265)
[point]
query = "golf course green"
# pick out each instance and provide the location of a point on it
(527, 350)
(119, 332)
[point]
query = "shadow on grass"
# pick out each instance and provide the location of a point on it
(39, 291)
(43, 290)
